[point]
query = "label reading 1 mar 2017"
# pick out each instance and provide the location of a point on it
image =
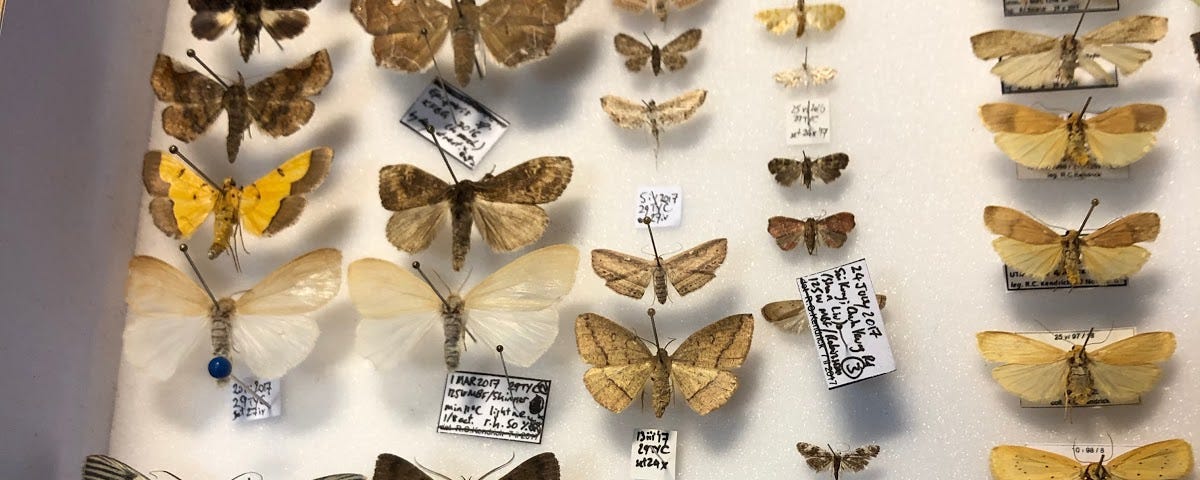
(653, 455)
(1067, 339)
(807, 122)
(664, 206)
(465, 128)
(1015, 281)
(494, 406)
(261, 401)
(846, 324)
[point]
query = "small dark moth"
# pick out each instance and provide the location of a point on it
(1196, 45)
(671, 55)
(820, 459)
(827, 168)
(543, 466)
(279, 104)
(831, 230)
(283, 19)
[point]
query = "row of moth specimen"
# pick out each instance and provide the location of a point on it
(1096, 369)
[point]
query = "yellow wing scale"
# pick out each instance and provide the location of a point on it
(192, 197)
(261, 200)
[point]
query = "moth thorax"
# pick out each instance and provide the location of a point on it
(656, 59)
(225, 218)
(800, 5)
(660, 284)
(1076, 141)
(1079, 378)
(1072, 262)
(222, 317)
(1070, 60)
(806, 171)
(454, 329)
(244, 7)
(1096, 471)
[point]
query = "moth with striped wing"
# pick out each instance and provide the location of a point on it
(104, 467)
(687, 271)
(282, 19)
(820, 459)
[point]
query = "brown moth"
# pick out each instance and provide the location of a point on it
(820, 459)
(688, 270)
(279, 104)
(831, 230)
(827, 168)
(408, 33)
(543, 466)
(651, 114)
(659, 7)
(699, 368)
(1196, 45)
(504, 207)
(792, 316)
(670, 55)
(1031, 60)
(282, 19)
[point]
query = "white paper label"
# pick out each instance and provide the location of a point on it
(465, 128)
(494, 406)
(1016, 281)
(664, 206)
(1085, 453)
(1067, 339)
(256, 400)
(807, 122)
(846, 324)
(653, 455)
(1090, 171)
(1014, 8)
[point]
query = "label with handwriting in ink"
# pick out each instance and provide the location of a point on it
(494, 406)
(1067, 339)
(466, 129)
(1015, 281)
(846, 324)
(264, 400)
(653, 456)
(1017, 8)
(664, 206)
(1084, 453)
(1090, 171)
(807, 122)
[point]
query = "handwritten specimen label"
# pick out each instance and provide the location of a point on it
(1090, 171)
(846, 324)
(494, 406)
(1067, 339)
(256, 400)
(1015, 281)
(653, 455)
(807, 122)
(664, 206)
(465, 128)
(1016, 8)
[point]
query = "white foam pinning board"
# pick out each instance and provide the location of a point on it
(922, 170)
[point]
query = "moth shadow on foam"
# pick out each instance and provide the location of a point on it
(337, 134)
(678, 140)
(191, 399)
(873, 408)
(565, 218)
(820, 193)
(542, 94)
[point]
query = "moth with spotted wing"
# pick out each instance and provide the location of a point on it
(820, 459)
(827, 168)
(282, 19)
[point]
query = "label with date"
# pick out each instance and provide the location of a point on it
(1015, 281)
(256, 400)
(807, 122)
(494, 406)
(846, 324)
(465, 128)
(664, 206)
(1070, 338)
(1017, 8)
(653, 455)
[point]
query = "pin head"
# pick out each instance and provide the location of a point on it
(416, 264)
(646, 220)
(220, 367)
(1095, 202)
(173, 149)
(191, 53)
(499, 348)
(183, 247)
(650, 312)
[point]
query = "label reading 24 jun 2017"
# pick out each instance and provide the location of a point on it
(846, 324)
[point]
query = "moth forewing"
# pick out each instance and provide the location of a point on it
(281, 20)
(791, 316)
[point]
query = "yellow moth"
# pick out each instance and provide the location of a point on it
(1165, 460)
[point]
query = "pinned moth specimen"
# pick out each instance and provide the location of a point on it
(659, 7)
(265, 327)
(543, 466)
(805, 75)
(1030, 247)
(700, 368)
(687, 271)
(182, 198)
(513, 307)
(1043, 373)
(1165, 460)
(504, 207)
(791, 315)
(820, 459)
(827, 168)
(1042, 140)
(104, 467)
(639, 54)
(409, 33)
(831, 231)
(282, 19)
(651, 114)
(823, 16)
(1031, 60)
(279, 104)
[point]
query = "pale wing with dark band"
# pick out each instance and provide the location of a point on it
(692, 269)
(621, 363)
(700, 367)
(625, 274)
(421, 204)
(506, 207)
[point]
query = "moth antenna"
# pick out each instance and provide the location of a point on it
(653, 326)
(252, 393)
(445, 159)
(192, 53)
(657, 258)
(510, 460)
(175, 151)
(507, 381)
(465, 279)
(440, 279)
(156, 472)
(417, 267)
(651, 42)
(430, 470)
(1095, 203)
(1111, 447)
(1086, 6)
(184, 248)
